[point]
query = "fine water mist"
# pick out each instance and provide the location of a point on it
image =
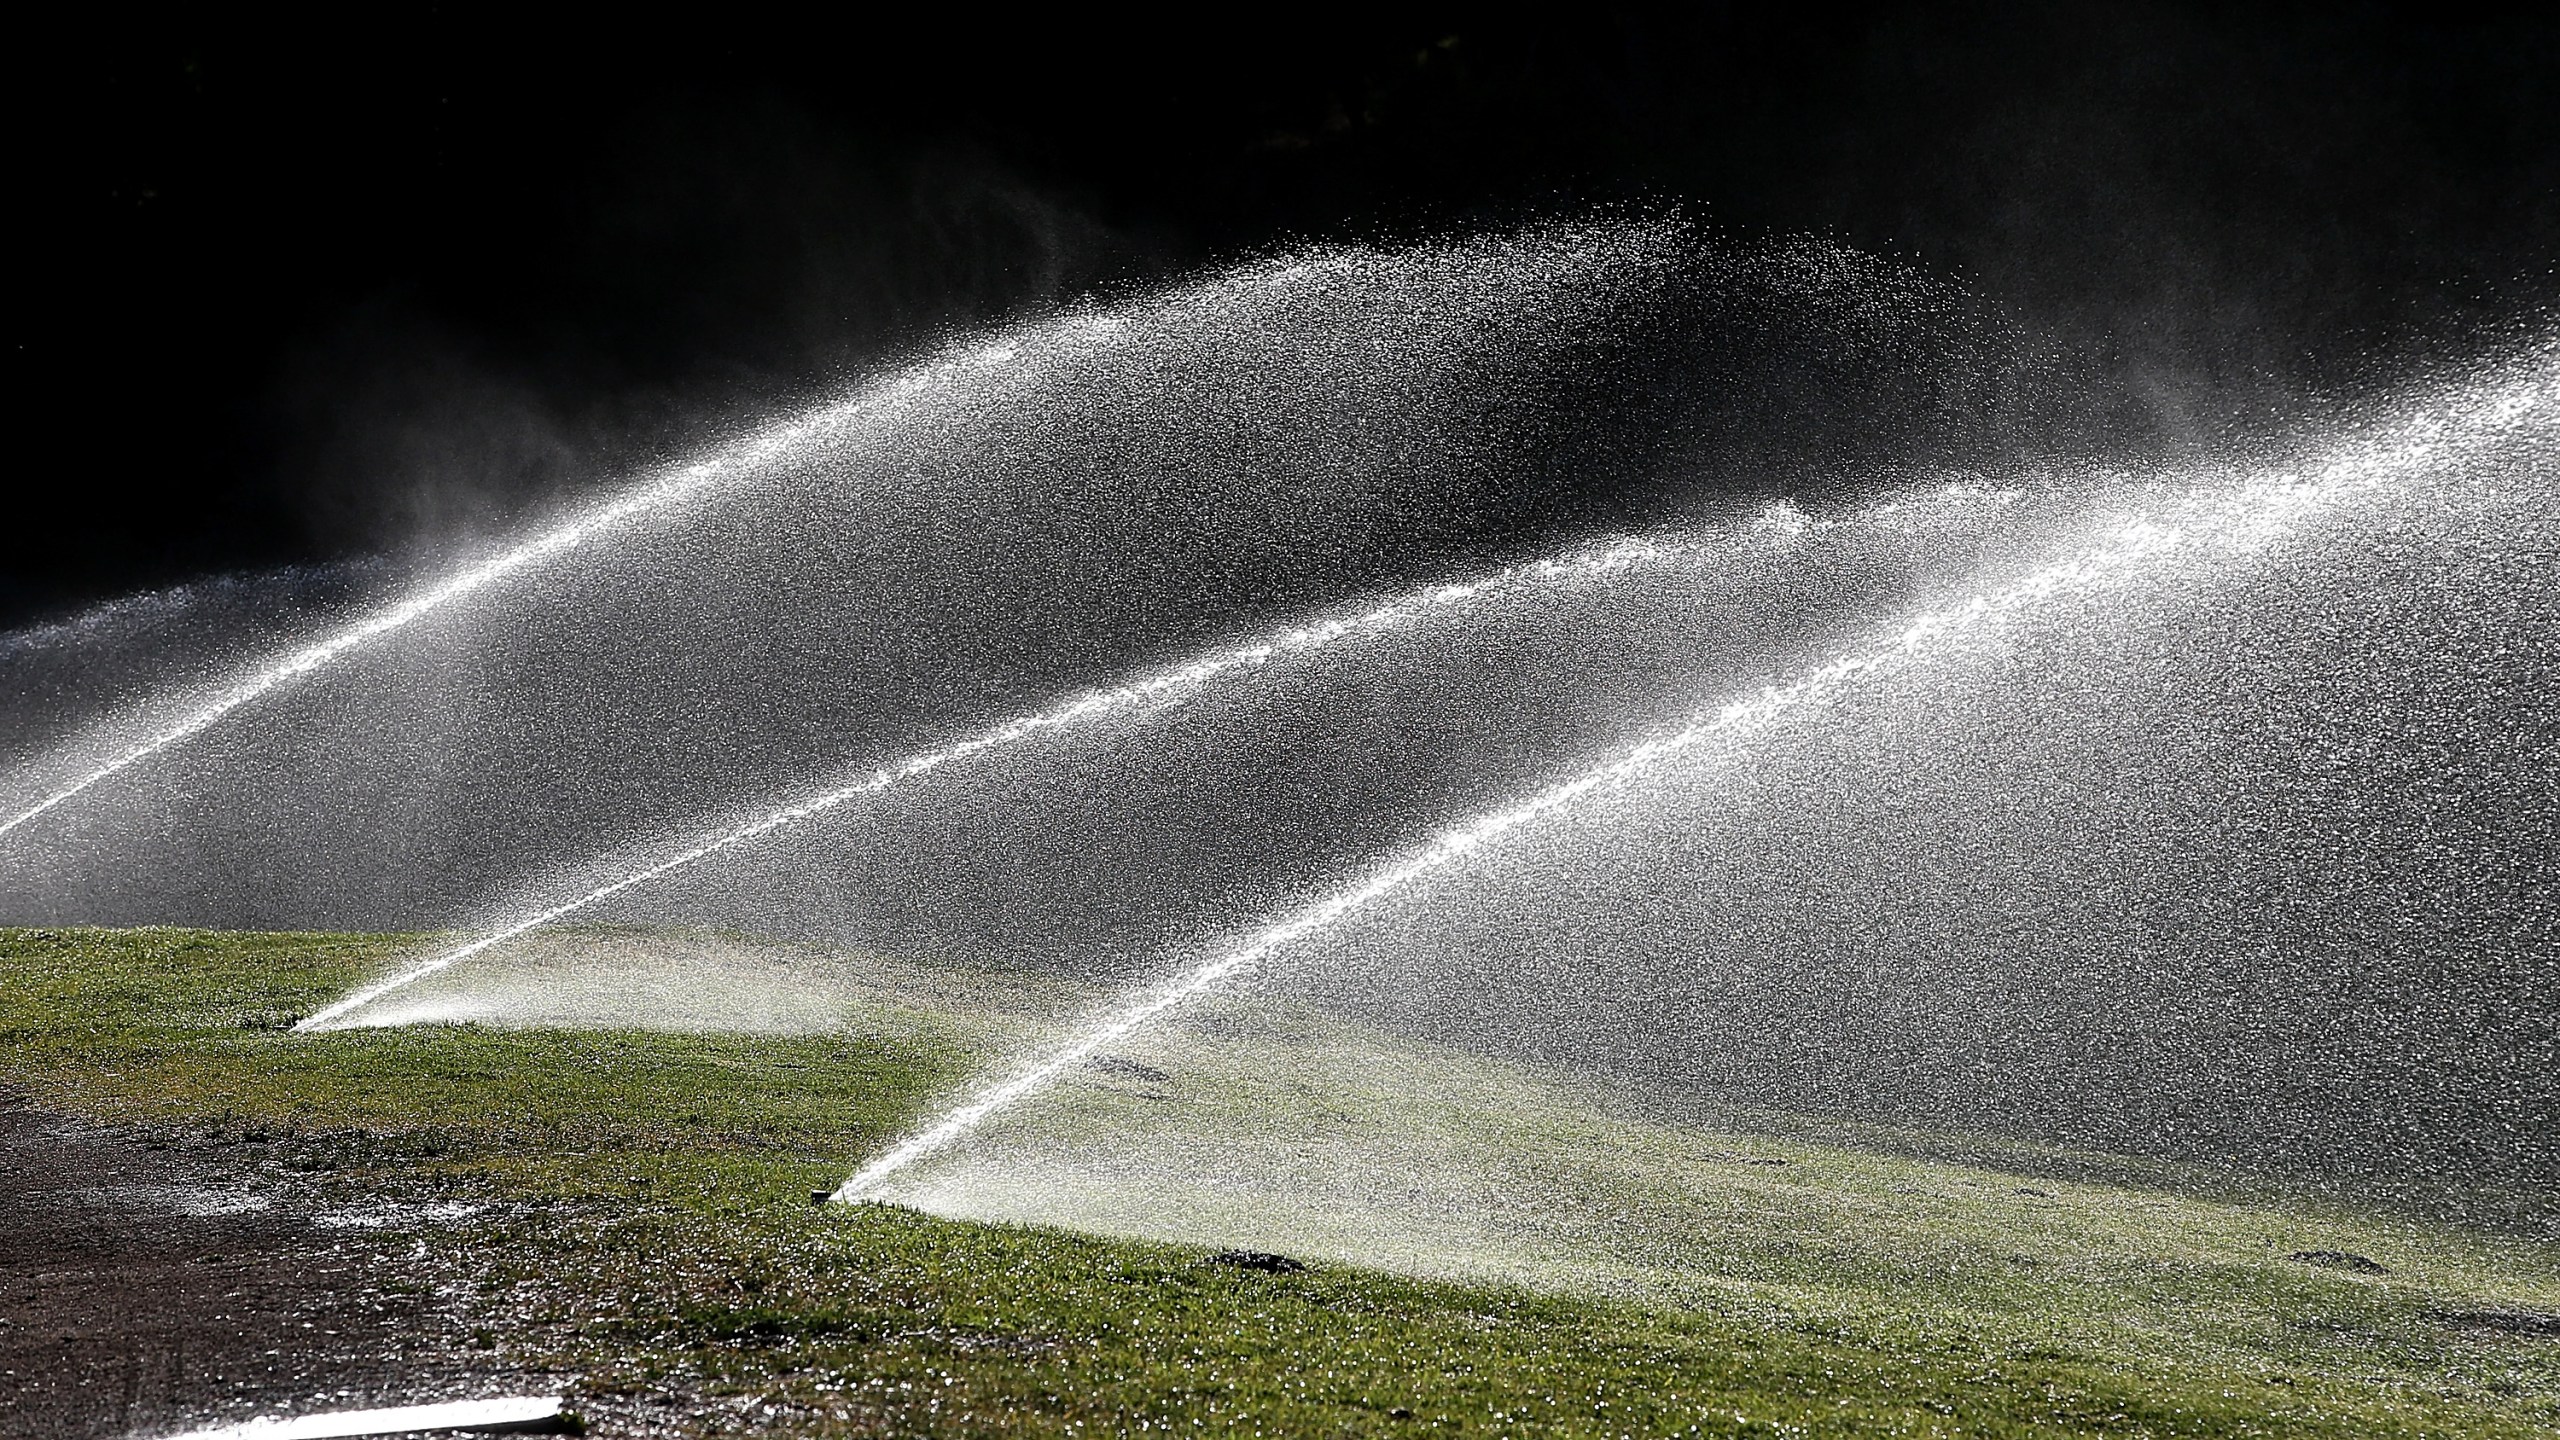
(1862, 962)
(949, 542)
(1555, 595)
(1716, 673)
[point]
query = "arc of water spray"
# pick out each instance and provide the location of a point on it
(1080, 326)
(2139, 540)
(2261, 510)
(668, 489)
(1083, 709)
(312, 657)
(1784, 522)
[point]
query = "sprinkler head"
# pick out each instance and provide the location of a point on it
(821, 1197)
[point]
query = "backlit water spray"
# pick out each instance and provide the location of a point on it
(2256, 511)
(976, 391)
(1781, 522)
(770, 447)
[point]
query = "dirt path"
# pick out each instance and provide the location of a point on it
(147, 1288)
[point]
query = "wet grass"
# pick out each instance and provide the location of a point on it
(650, 1234)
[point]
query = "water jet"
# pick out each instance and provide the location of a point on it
(1774, 526)
(2231, 519)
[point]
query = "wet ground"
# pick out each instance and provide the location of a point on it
(150, 1285)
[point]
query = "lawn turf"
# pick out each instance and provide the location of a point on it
(648, 1233)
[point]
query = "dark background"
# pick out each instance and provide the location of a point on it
(296, 290)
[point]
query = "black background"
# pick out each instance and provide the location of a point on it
(295, 289)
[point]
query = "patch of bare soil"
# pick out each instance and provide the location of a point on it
(149, 1286)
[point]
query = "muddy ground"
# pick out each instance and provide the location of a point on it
(155, 1284)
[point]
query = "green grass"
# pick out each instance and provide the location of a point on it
(1569, 1266)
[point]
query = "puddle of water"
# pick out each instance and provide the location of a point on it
(384, 1216)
